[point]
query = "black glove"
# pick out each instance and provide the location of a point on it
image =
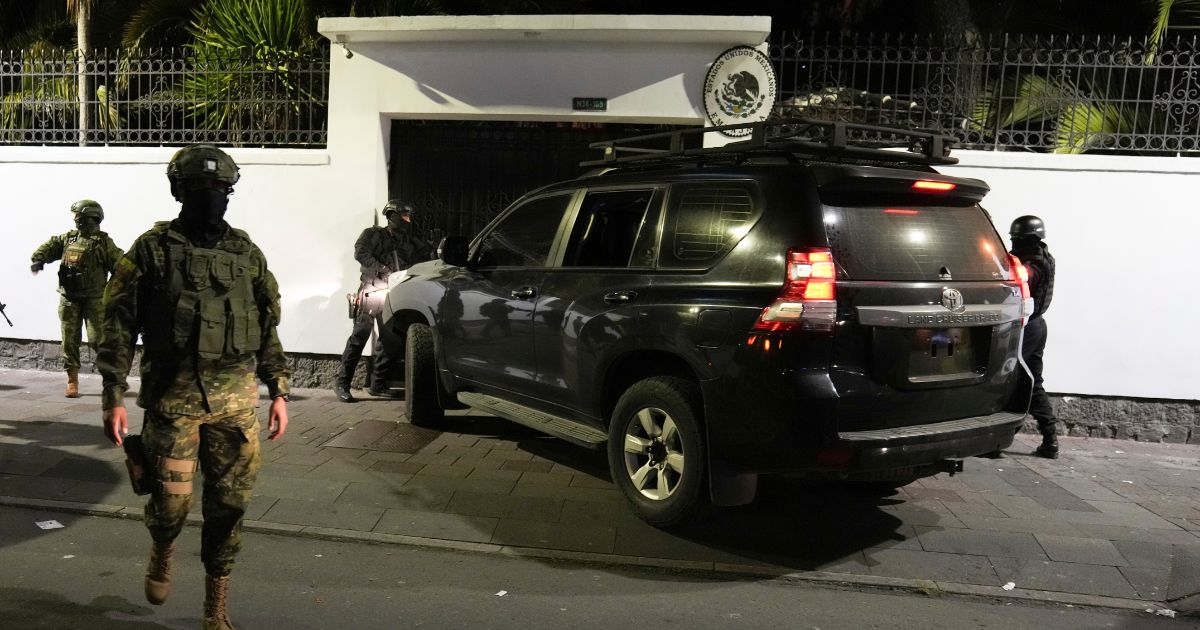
(37, 266)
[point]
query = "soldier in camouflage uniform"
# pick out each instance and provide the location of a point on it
(200, 295)
(88, 256)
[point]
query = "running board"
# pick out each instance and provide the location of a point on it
(558, 427)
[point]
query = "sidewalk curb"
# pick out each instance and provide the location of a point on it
(925, 587)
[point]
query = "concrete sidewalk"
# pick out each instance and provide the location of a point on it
(1110, 523)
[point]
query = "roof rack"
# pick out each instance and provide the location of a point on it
(796, 137)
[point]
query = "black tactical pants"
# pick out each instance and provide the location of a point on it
(1032, 347)
(387, 355)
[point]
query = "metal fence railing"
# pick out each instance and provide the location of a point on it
(1039, 93)
(256, 98)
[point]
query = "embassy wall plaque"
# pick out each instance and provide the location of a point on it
(740, 88)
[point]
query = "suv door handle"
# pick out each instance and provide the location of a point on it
(524, 293)
(620, 297)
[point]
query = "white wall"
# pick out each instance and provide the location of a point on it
(1123, 234)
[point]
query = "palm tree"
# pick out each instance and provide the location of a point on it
(82, 10)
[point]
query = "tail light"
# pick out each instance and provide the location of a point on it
(808, 301)
(1022, 274)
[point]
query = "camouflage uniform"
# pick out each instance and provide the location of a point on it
(87, 259)
(208, 318)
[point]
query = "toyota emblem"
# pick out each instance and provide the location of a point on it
(952, 299)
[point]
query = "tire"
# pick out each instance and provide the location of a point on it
(656, 452)
(420, 378)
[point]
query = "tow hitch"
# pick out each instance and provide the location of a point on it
(950, 466)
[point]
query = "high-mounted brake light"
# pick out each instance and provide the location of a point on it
(926, 185)
(900, 211)
(807, 301)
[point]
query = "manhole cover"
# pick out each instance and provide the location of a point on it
(381, 435)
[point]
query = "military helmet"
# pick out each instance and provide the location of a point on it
(86, 208)
(397, 205)
(201, 161)
(1028, 226)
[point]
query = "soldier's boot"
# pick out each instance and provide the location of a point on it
(1049, 447)
(158, 573)
(216, 591)
(72, 384)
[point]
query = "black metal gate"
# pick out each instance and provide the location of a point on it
(460, 174)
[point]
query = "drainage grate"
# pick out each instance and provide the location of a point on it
(380, 435)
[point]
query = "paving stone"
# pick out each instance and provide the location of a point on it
(544, 478)
(508, 455)
(403, 497)
(31, 464)
(920, 494)
(35, 487)
(295, 488)
(1029, 526)
(495, 474)
(580, 480)
(527, 466)
(1080, 550)
(1066, 577)
(506, 506)
(904, 537)
(1150, 583)
(322, 514)
(947, 567)
(453, 484)
(337, 471)
(593, 513)
(915, 515)
(567, 492)
(441, 470)
(445, 526)
(963, 509)
(403, 467)
(519, 533)
(1122, 532)
(287, 470)
(1150, 555)
(989, 543)
(1185, 571)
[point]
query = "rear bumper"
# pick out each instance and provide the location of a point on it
(914, 446)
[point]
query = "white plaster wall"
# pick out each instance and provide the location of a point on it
(1123, 234)
(289, 202)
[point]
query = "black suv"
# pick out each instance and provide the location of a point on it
(812, 301)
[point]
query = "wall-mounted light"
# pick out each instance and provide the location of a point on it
(341, 40)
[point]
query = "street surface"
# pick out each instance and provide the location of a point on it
(88, 574)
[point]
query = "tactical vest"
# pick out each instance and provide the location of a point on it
(82, 272)
(212, 290)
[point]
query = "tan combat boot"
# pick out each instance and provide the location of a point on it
(158, 573)
(216, 589)
(72, 384)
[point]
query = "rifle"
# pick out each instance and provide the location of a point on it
(5, 316)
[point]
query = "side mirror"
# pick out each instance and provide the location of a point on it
(453, 250)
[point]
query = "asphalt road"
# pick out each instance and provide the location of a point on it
(88, 575)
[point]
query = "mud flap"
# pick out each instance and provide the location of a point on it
(728, 487)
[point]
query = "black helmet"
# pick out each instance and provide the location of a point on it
(88, 209)
(201, 161)
(405, 208)
(1028, 226)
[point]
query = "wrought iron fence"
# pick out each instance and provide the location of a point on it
(257, 98)
(1060, 94)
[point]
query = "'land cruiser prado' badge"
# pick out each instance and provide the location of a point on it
(739, 88)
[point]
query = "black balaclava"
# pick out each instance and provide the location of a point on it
(1026, 245)
(203, 215)
(396, 222)
(87, 225)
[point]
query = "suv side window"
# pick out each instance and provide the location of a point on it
(704, 221)
(607, 228)
(524, 236)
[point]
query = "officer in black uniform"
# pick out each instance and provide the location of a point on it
(379, 252)
(1028, 244)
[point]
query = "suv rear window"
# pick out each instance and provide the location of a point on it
(915, 243)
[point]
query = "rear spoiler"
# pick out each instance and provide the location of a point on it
(862, 186)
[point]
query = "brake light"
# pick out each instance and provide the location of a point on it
(925, 185)
(1022, 276)
(900, 211)
(807, 301)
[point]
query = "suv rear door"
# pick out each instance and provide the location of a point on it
(931, 310)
